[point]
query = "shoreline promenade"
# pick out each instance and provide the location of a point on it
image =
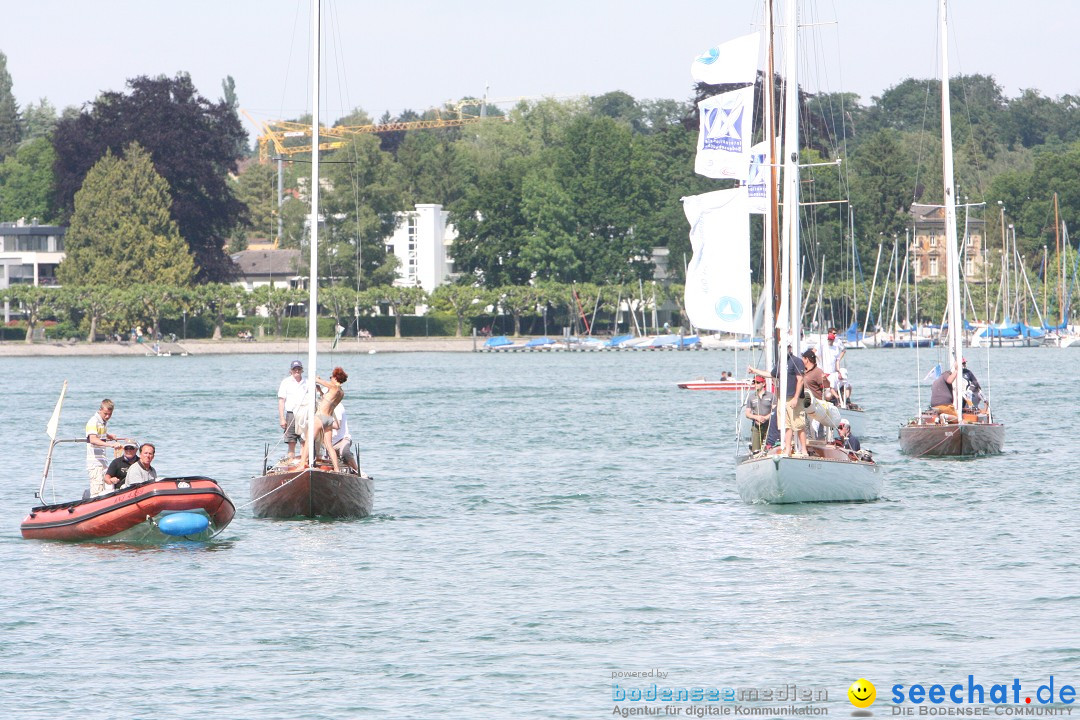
(18, 348)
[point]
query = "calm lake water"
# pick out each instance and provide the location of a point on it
(542, 521)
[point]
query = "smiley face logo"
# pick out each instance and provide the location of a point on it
(862, 693)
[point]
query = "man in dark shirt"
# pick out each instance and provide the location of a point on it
(116, 474)
(846, 439)
(795, 412)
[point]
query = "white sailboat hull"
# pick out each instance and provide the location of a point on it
(775, 479)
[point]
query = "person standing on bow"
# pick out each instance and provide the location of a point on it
(143, 471)
(291, 394)
(98, 438)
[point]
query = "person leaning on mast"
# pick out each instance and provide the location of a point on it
(795, 411)
(97, 439)
(324, 418)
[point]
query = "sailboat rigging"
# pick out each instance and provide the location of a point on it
(316, 489)
(938, 432)
(823, 471)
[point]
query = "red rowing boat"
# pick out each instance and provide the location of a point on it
(704, 384)
(153, 511)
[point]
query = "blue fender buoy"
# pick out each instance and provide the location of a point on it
(183, 523)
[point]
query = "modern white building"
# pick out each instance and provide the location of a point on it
(29, 253)
(421, 242)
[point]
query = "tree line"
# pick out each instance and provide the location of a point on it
(575, 191)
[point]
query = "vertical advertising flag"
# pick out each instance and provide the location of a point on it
(733, 62)
(718, 277)
(723, 149)
(755, 186)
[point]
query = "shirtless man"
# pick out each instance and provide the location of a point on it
(324, 417)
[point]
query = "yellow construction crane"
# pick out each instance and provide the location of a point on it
(292, 138)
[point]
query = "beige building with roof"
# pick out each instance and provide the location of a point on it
(929, 253)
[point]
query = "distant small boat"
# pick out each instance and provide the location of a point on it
(703, 384)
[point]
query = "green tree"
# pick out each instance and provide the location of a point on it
(256, 188)
(402, 300)
(193, 144)
(881, 185)
(38, 120)
(516, 300)
(10, 124)
(26, 182)
(36, 303)
(219, 301)
(276, 300)
(465, 301)
(95, 303)
(121, 231)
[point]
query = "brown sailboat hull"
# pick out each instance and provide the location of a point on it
(312, 493)
(953, 440)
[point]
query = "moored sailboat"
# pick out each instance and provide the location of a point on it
(316, 489)
(961, 433)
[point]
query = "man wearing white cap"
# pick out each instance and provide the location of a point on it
(847, 440)
(291, 394)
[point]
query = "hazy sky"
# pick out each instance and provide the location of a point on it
(417, 54)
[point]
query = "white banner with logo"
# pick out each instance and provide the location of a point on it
(756, 182)
(723, 149)
(735, 61)
(718, 277)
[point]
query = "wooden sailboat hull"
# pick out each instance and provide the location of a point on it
(702, 384)
(967, 440)
(312, 493)
(131, 514)
(775, 479)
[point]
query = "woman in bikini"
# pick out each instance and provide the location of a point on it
(324, 417)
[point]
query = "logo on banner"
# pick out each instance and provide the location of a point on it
(724, 126)
(708, 57)
(728, 309)
(755, 184)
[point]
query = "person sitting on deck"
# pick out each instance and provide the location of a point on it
(846, 439)
(941, 399)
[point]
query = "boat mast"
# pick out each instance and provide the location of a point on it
(955, 335)
(789, 314)
(313, 278)
(772, 223)
(1061, 278)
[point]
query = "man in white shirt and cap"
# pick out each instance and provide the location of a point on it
(291, 393)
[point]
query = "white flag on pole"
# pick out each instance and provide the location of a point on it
(718, 277)
(723, 149)
(54, 421)
(755, 185)
(735, 61)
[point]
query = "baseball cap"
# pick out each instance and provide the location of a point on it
(130, 444)
(759, 379)
(843, 423)
(296, 364)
